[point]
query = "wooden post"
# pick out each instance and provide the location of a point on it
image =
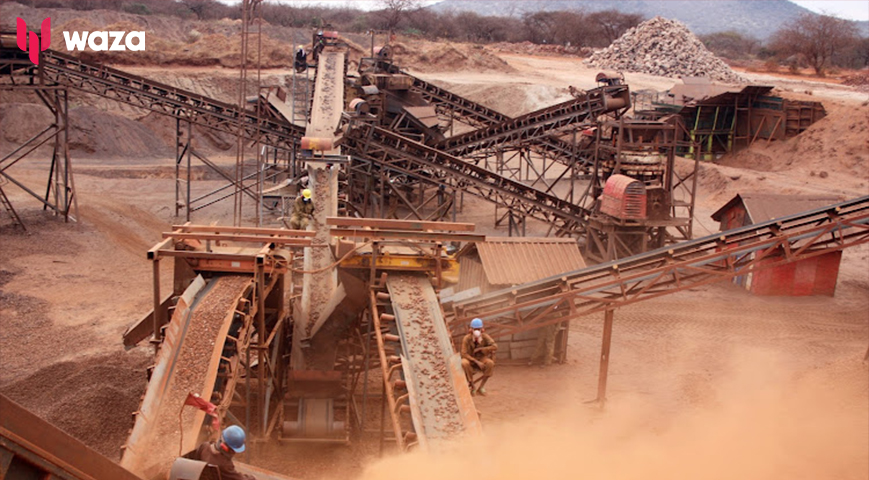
(158, 314)
(604, 357)
(261, 339)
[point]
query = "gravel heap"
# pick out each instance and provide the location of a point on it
(663, 47)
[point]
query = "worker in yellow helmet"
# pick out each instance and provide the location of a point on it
(303, 211)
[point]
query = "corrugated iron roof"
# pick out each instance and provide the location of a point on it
(763, 206)
(700, 91)
(513, 261)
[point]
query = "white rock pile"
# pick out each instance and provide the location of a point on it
(663, 47)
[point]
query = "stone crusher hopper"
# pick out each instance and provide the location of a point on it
(426, 393)
(223, 342)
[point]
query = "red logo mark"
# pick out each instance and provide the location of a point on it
(37, 43)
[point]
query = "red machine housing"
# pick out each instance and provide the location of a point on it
(624, 197)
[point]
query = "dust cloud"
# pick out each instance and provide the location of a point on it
(764, 420)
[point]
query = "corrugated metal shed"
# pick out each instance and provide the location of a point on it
(516, 260)
(761, 207)
(809, 276)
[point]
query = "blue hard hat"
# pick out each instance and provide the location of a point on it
(234, 438)
(476, 323)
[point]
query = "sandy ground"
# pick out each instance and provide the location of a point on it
(709, 383)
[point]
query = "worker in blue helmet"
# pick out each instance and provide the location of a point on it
(220, 453)
(478, 355)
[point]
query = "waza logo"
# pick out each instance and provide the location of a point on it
(38, 43)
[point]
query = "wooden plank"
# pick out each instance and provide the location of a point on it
(407, 235)
(246, 230)
(157, 249)
(399, 224)
(301, 242)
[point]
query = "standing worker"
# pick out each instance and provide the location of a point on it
(220, 453)
(303, 211)
(478, 353)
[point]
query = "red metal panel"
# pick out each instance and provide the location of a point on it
(811, 276)
(804, 278)
(827, 273)
(776, 281)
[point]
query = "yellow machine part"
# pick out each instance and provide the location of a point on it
(409, 263)
(317, 143)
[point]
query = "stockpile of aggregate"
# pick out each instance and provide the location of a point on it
(663, 47)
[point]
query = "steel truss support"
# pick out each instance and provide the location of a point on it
(59, 195)
(392, 152)
(400, 196)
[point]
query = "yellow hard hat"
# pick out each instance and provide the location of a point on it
(306, 193)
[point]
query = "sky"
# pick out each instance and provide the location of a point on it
(848, 9)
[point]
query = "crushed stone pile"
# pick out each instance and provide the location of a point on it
(663, 47)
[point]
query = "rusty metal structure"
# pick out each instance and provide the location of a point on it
(719, 257)
(16, 75)
(57, 74)
(228, 313)
(723, 118)
(251, 341)
(401, 157)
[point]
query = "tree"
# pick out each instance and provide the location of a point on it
(609, 25)
(730, 44)
(818, 38)
(394, 10)
(540, 26)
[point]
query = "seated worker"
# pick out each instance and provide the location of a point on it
(220, 453)
(478, 353)
(303, 211)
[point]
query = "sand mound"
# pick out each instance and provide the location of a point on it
(99, 133)
(837, 143)
(443, 57)
(20, 121)
(663, 47)
(204, 139)
(90, 399)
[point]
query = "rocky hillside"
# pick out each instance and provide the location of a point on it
(751, 17)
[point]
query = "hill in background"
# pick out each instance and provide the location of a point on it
(759, 19)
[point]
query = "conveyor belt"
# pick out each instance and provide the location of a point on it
(542, 123)
(440, 401)
(670, 269)
(188, 361)
(480, 116)
(66, 70)
(328, 95)
(397, 153)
